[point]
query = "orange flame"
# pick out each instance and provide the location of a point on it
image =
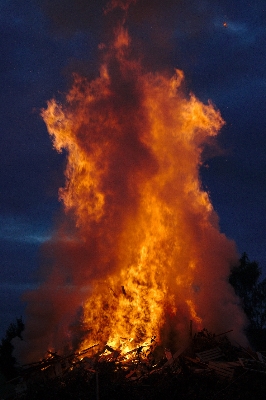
(147, 230)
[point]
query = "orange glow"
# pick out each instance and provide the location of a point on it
(122, 39)
(194, 316)
(146, 233)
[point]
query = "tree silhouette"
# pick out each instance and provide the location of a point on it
(7, 361)
(259, 305)
(245, 280)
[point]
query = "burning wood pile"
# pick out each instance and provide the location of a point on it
(209, 365)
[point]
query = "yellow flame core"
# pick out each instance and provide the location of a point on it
(158, 240)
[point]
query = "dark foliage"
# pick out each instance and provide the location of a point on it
(7, 361)
(244, 278)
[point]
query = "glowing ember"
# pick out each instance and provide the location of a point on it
(145, 256)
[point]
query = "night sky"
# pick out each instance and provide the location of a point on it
(220, 46)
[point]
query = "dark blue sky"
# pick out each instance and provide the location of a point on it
(43, 42)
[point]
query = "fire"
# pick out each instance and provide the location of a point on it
(145, 255)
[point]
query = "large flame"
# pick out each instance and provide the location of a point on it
(153, 257)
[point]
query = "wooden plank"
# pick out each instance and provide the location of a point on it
(175, 356)
(168, 355)
(221, 369)
(261, 357)
(129, 375)
(212, 354)
(233, 363)
(58, 369)
(253, 365)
